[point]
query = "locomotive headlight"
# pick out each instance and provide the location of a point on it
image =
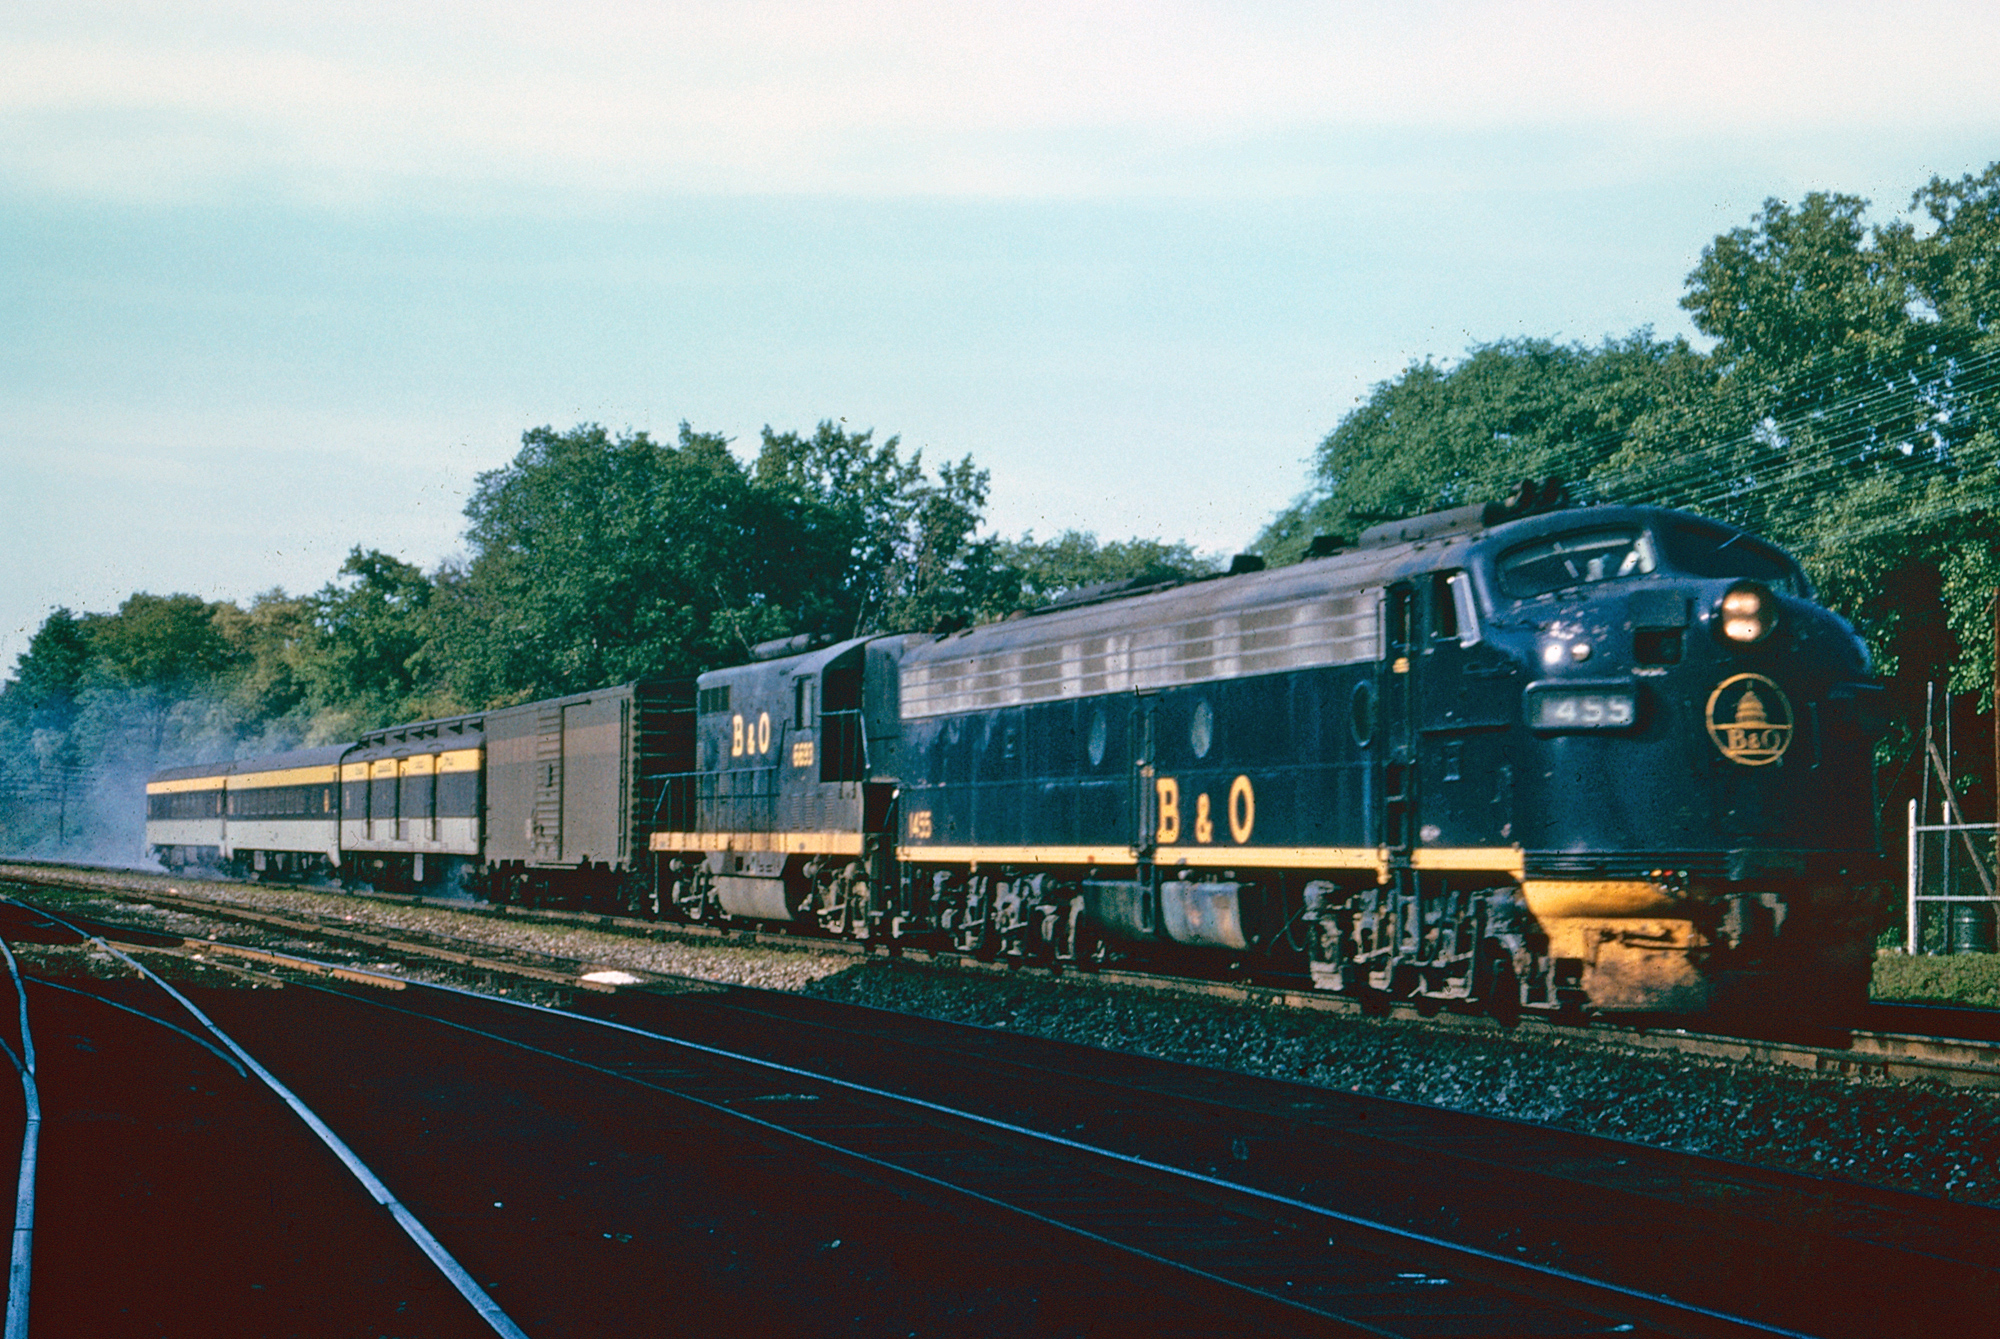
(1747, 613)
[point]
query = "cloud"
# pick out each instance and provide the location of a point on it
(350, 102)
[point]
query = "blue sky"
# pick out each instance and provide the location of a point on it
(280, 279)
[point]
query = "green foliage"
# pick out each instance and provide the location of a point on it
(855, 538)
(49, 677)
(1849, 409)
(1040, 571)
(166, 642)
(599, 559)
(942, 574)
(1434, 438)
(272, 644)
(355, 646)
(1796, 284)
(1962, 978)
(596, 559)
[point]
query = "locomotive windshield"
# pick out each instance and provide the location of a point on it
(1686, 545)
(1580, 558)
(1704, 549)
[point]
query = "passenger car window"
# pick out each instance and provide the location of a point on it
(1581, 558)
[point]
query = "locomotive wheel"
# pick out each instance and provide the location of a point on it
(1086, 946)
(978, 938)
(975, 932)
(690, 896)
(858, 902)
(639, 898)
(830, 909)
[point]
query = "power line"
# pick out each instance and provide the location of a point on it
(1926, 426)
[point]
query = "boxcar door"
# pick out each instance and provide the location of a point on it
(594, 779)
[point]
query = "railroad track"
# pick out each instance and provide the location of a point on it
(160, 1206)
(329, 1048)
(1296, 1210)
(1918, 1043)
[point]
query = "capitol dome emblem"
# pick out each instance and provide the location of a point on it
(1750, 720)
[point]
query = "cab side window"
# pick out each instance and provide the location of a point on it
(1444, 610)
(1453, 612)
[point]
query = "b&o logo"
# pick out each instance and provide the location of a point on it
(1750, 720)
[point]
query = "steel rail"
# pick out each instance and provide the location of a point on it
(468, 1287)
(879, 1163)
(1963, 1062)
(1207, 1180)
(20, 1265)
(206, 1045)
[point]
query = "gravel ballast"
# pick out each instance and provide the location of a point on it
(1904, 1135)
(1910, 1136)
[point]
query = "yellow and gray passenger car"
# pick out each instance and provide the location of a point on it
(410, 802)
(184, 815)
(276, 815)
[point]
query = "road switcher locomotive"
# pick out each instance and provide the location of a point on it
(1609, 759)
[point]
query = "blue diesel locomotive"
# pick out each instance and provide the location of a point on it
(1605, 759)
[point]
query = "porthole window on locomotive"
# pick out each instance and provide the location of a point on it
(1362, 709)
(1201, 730)
(1100, 735)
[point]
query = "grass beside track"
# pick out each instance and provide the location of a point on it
(1971, 979)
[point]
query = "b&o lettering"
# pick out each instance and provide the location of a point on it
(735, 736)
(1204, 825)
(1169, 791)
(1242, 809)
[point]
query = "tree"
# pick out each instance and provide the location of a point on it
(272, 644)
(356, 651)
(858, 539)
(600, 558)
(1954, 268)
(596, 559)
(49, 677)
(1870, 446)
(1075, 560)
(1433, 437)
(942, 574)
(1846, 410)
(1795, 286)
(166, 643)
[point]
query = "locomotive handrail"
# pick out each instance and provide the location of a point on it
(860, 734)
(705, 801)
(702, 799)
